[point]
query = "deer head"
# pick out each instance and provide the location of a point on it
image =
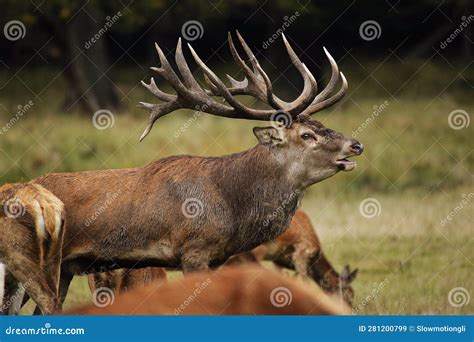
(345, 290)
(310, 151)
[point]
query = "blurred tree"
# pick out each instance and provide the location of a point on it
(78, 30)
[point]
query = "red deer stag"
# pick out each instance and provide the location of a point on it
(32, 225)
(195, 212)
(232, 290)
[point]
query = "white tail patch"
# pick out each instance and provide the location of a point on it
(39, 220)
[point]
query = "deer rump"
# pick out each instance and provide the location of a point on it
(32, 223)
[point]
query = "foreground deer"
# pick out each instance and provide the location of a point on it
(298, 248)
(31, 225)
(235, 290)
(194, 212)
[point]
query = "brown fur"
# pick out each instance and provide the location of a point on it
(236, 290)
(31, 244)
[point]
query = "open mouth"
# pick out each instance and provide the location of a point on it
(345, 164)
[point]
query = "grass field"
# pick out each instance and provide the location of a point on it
(416, 169)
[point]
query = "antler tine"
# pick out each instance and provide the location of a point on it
(332, 82)
(167, 72)
(246, 112)
(310, 88)
(156, 112)
(316, 107)
(255, 86)
(248, 51)
(184, 70)
(152, 87)
(264, 89)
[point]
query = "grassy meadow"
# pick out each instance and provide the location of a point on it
(416, 170)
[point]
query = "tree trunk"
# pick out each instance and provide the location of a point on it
(85, 63)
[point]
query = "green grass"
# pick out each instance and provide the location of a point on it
(415, 165)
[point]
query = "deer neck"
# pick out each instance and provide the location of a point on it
(323, 273)
(256, 186)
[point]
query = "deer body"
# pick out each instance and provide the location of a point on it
(150, 227)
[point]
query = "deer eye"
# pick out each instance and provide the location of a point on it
(307, 136)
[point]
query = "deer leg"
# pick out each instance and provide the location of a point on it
(33, 280)
(195, 260)
(242, 258)
(11, 286)
(2, 283)
(16, 300)
(64, 283)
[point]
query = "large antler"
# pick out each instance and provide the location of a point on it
(190, 94)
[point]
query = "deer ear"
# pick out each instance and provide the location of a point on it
(345, 272)
(268, 135)
(352, 275)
